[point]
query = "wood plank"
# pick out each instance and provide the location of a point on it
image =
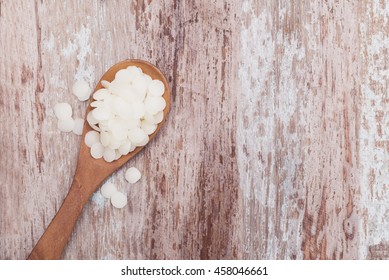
(276, 146)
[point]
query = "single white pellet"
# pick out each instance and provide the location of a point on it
(149, 117)
(148, 127)
(105, 84)
(114, 143)
(84, 97)
(92, 137)
(132, 175)
(123, 76)
(97, 150)
(158, 117)
(119, 131)
(66, 125)
(140, 83)
(154, 104)
(63, 111)
(105, 138)
(91, 119)
(118, 155)
(101, 94)
(118, 200)
(132, 123)
(159, 103)
(135, 71)
(82, 90)
(96, 104)
(78, 126)
(108, 189)
(101, 113)
(109, 155)
(138, 109)
(136, 135)
(125, 148)
(156, 88)
(144, 141)
(121, 108)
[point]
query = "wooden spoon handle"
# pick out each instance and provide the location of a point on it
(54, 239)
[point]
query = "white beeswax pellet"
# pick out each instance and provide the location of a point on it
(138, 110)
(97, 150)
(82, 90)
(136, 135)
(66, 125)
(144, 141)
(92, 137)
(114, 143)
(105, 138)
(135, 71)
(91, 119)
(63, 111)
(101, 94)
(109, 155)
(123, 76)
(78, 126)
(156, 88)
(101, 113)
(154, 104)
(158, 117)
(108, 189)
(125, 148)
(119, 131)
(148, 127)
(132, 175)
(140, 83)
(118, 200)
(105, 84)
(117, 154)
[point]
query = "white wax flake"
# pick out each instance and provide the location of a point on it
(105, 138)
(135, 71)
(82, 90)
(105, 84)
(78, 126)
(91, 119)
(101, 113)
(125, 148)
(119, 200)
(108, 189)
(136, 135)
(123, 76)
(63, 111)
(66, 125)
(132, 175)
(148, 127)
(101, 94)
(92, 137)
(97, 150)
(140, 83)
(154, 105)
(156, 88)
(158, 117)
(109, 154)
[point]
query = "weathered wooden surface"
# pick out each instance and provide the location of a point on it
(276, 146)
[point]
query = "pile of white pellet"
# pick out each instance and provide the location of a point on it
(125, 113)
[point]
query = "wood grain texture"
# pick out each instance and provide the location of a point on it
(276, 146)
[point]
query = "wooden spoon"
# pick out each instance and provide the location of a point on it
(90, 173)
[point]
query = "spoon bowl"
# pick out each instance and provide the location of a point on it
(90, 173)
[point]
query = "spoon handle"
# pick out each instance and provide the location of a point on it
(53, 241)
